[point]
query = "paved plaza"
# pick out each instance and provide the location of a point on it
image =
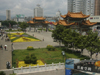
(6, 55)
(48, 40)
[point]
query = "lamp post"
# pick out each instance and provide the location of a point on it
(63, 53)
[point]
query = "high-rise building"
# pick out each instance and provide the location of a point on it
(77, 5)
(86, 6)
(70, 7)
(89, 6)
(97, 7)
(8, 15)
(38, 11)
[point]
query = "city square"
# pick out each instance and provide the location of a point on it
(40, 42)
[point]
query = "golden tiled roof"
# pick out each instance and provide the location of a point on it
(39, 18)
(75, 15)
(30, 22)
(87, 22)
(63, 22)
(46, 22)
(54, 23)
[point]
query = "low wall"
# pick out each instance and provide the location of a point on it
(7, 71)
(49, 72)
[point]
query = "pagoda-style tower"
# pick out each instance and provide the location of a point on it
(75, 21)
(36, 21)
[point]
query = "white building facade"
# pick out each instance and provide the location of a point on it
(38, 11)
(86, 6)
(8, 15)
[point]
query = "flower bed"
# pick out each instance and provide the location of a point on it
(22, 63)
(21, 37)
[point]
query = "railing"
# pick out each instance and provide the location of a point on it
(45, 67)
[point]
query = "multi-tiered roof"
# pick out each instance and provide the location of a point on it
(37, 20)
(74, 19)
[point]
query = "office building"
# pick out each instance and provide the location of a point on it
(8, 15)
(97, 7)
(19, 18)
(86, 6)
(38, 11)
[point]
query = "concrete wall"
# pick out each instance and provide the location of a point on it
(7, 71)
(50, 72)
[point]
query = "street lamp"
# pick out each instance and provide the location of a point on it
(63, 53)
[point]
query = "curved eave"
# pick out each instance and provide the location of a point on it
(30, 22)
(38, 18)
(63, 16)
(46, 22)
(55, 23)
(65, 24)
(89, 24)
(80, 17)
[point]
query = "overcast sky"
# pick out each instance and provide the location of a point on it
(26, 7)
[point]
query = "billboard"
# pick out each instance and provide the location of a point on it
(88, 65)
(20, 16)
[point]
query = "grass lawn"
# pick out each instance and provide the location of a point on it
(45, 56)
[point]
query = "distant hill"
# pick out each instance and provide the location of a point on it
(2, 17)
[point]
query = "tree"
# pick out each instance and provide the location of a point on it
(2, 73)
(30, 59)
(93, 43)
(57, 33)
(81, 42)
(69, 37)
(7, 23)
(23, 25)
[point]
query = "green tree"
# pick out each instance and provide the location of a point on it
(81, 42)
(69, 37)
(2, 73)
(57, 33)
(30, 59)
(6, 23)
(23, 25)
(93, 43)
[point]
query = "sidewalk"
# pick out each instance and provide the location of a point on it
(5, 55)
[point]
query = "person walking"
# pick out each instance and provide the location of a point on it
(43, 39)
(1, 47)
(5, 47)
(96, 55)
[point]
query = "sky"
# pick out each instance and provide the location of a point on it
(26, 7)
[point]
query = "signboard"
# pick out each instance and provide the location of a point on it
(88, 65)
(69, 64)
(20, 16)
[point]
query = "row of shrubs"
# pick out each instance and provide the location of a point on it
(30, 48)
(49, 47)
(14, 30)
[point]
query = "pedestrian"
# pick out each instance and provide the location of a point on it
(7, 64)
(96, 55)
(12, 44)
(1, 47)
(5, 47)
(43, 39)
